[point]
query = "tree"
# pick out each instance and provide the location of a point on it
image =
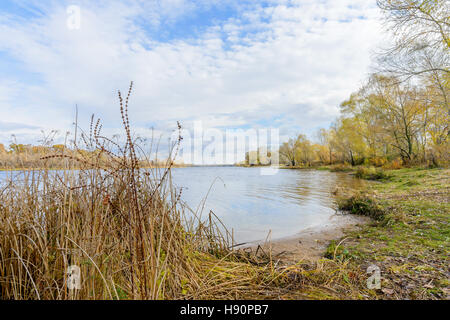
(17, 148)
(418, 21)
(421, 31)
(287, 152)
(260, 157)
(304, 153)
(401, 111)
(347, 141)
(59, 147)
(325, 138)
(320, 152)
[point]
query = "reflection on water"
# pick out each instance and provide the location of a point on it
(251, 204)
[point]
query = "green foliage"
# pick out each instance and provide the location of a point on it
(371, 173)
(410, 243)
(337, 252)
(362, 205)
(402, 112)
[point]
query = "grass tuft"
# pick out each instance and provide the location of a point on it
(371, 173)
(362, 205)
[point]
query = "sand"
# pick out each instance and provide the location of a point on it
(310, 244)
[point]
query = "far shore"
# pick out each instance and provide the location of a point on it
(76, 168)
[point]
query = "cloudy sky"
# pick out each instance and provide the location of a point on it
(229, 63)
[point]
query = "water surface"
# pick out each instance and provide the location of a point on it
(252, 205)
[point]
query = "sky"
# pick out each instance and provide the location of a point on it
(231, 64)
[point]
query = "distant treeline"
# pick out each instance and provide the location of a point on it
(27, 156)
(401, 114)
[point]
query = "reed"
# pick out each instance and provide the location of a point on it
(124, 226)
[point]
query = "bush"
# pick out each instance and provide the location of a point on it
(395, 164)
(371, 174)
(362, 205)
(378, 161)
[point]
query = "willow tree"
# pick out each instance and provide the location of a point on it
(370, 126)
(421, 30)
(419, 20)
(325, 138)
(436, 127)
(287, 152)
(402, 112)
(304, 152)
(347, 142)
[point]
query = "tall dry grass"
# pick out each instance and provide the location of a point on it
(124, 226)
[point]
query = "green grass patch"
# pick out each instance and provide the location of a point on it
(362, 205)
(410, 238)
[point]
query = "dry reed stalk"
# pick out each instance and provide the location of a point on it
(123, 225)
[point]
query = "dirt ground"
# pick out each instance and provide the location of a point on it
(310, 244)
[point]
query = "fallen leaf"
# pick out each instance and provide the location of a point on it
(387, 291)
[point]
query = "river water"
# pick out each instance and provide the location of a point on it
(251, 204)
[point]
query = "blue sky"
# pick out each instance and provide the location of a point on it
(232, 64)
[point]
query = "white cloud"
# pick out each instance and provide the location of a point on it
(291, 60)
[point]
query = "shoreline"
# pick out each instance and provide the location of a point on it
(79, 168)
(310, 244)
(307, 244)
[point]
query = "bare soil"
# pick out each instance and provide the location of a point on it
(310, 244)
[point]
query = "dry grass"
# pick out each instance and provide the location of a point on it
(123, 225)
(132, 237)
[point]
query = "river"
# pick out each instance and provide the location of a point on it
(251, 204)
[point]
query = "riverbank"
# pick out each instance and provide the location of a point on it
(406, 236)
(62, 168)
(408, 241)
(310, 244)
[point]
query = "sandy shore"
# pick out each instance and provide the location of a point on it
(310, 244)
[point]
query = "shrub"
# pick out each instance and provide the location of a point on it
(378, 161)
(394, 164)
(362, 205)
(371, 173)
